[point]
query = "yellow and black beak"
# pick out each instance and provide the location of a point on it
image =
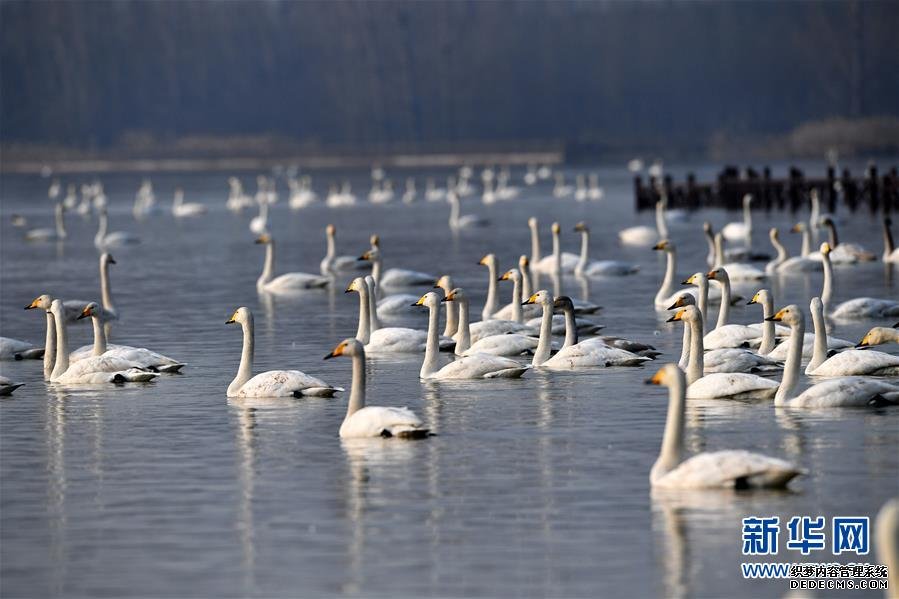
(754, 300)
(421, 301)
(795, 228)
(233, 319)
(687, 281)
(338, 351)
(711, 275)
(264, 238)
(111, 260)
(679, 315)
(864, 342)
(660, 245)
(365, 256)
(530, 300)
(655, 379)
(506, 276)
(678, 303)
(33, 304)
(449, 297)
(777, 317)
(483, 261)
(86, 313)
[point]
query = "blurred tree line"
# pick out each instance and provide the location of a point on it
(359, 74)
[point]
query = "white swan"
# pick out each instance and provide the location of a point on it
(141, 356)
(510, 344)
(558, 261)
(259, 223)
(592, 352)
(372, 421)
(852, 362)
(729, 469)
(738, 271)
(560, 188)
(92, 370)
(767, 343)
(724, 334)
(237, 199)
(880, 336)
(332, 263)
(458, 221)
(783, 263)
(180, 209)
(845, 252)
(857, 308)
(394, 277)
(290, 282)
(476, 366)
(741, 231)
(847, 391)
(890, 251)
(573, 328)
(57, 233)
(104, 240)
(7, 386)
(272, 383)
(452, 310)
(643, 235)
(514, 310)
(598, 268)
(410, 193)
(16, 349)
(668, 293)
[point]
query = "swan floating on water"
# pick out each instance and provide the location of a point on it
(643, 235)
(272, 383)
(58, 233)
(857, 308)
(372, 421)
(103, 240)
(290, 282)
(729, 469)
(598, 268)
(180, 209)
(332, 263)
(880, 336)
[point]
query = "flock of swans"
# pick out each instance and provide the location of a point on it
(536, 329)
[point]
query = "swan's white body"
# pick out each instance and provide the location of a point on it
(727, 469)
(726, 335)
(741, 231)
(10, 348)
(643, 235)
(854, 362)
(273, 383)
(180, 209)
(104, 240)
(866, 307)
(394, 277)
(332, 263)
(291, 282)
(558, 261)
(737, 360)
(259, 223)
(598, 268)
(57, 233)
(458, 221)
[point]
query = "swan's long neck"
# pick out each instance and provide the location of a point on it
(245, 370)
(105, 290)
(99, 337)
(557, 253)
(814, 215)
(62, 345)
(667, 287)
(452, 316)
(661, 221)
(820, 353)
(490, 307)
(724, 308)
(582, 262)
(517, 315)
(827, 289)
(49, 346)
(747, 219)
(544, 345)
(712, 257)
(101, 230)
(357, 388)
(363, 332)
(719, 250)
(791, 368)
(463, 339)
(832, 230)
(888, 246)
(269, 265)
(375, 322)
(454, 212)
(673, 438)
(806, 242)
(767, 327)
(684, 360)
(570, 327)
(376, 275)
(535, 245)
(526, 287)
(703, 300)
(696, 364)
(429, 366)
(782, 254)
(60, 222)
(332, 248)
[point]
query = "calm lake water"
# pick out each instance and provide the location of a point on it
(533, 487)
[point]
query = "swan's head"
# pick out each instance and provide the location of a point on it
(428, 300)
(42, 301)
(719, 274)
(816, 305)
(57, 308)
(876, 336)
(747, 199)
(798, 228)
(454, 295)
(663, 245)
(687, 314)
(347, 347)
(488, 260)
(667, 375)
(773, 233)
(445, 282)
(707, 228)
(813, 194)
(107, 258)
(370, 255)
(825, 249)
(761, 296)
(241, 316)
(581, 227)
(375, 241)
(542, 297)
(556, 229)
(682, 301)
(265, 238)
(792, 314)
(563, 303)
(90, 310)
(523, 262)
(827, 222)
(356, 285)
(697, 279)
(331, 230)
(532, 222)
(511, 275)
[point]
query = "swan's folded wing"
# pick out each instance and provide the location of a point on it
(397, 339)
(512, 344)
(141, 355)
(593, 352)
(729, 469)
(476, 366)
(400, 277)
(858, 362)
(296, 280)
(372, 421)
(280, 383)
(731, 384)
(730, 335)
(487, 328)
(400, 303)
(847, 391)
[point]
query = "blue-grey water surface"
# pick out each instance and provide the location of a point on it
(533, 487)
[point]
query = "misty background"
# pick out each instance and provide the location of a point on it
(314, 77)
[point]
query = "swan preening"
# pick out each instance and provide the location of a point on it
(730, 469)
(273, 383)
(372, 421)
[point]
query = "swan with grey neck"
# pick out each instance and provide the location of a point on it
(363, 421)
(728, 469)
